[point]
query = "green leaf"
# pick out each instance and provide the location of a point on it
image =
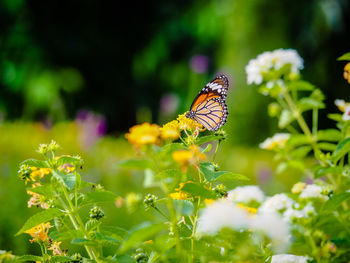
(68, 180)
(137, 164)
(172, 173)
(196, 189)
(322, 171)
(335, 117)
(335, 201)
(29, 258)
(73, 160)
(301, 152)
(184, 207)
(149, 180)
(55, 259)
(67, 235)
(301, 85)
(168, 148)
(306, 104)
(141, 234)
(342, 149)
(41, 217)
(298, 140)
(83, 242)
(331, 135)
(208, 138)
(346, 56)
(114, 231)
(36, 163)
(207, 148)
(45, 190)
(285, 119)
(208, 170)
(326, 146)
(98, 197)
(106, 240)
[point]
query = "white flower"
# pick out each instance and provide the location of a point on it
(346, 115)
(221, 214)
(276, 203)
(278, 140)
(313, 191)
(272, 60)
(274, 227)
(288, 258)
(246, 194)
(306, 212)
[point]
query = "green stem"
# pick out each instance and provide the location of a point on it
(314, 121)
(216, 150)
(175, 228)
(194, 227)
(160, 212)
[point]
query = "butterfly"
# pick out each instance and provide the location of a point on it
(209, 107)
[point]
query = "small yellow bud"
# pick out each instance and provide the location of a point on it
(298, 188)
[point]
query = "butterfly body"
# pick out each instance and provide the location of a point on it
(209, 107)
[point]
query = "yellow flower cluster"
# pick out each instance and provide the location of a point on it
(146, 133)
(36, 199)
(38, 173)
(250, 210)
(191, 156)
(55, 247)
(347, 72)
(143, 134)
(178, 194)
(39, 232)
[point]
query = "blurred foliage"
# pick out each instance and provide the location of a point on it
(52, 67)
(19, 140)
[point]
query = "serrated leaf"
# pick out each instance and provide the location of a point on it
(69, 180)
(322, 171)
(114, 231)
(141, 234)
(196, 189)
(83, 242)
(326, 146)
(29, 258)
(55, 259)
(342, 149)
(105, 239)
(331, 135)
(335, 117)
(306, 104)
(285, 119)
(137, 164)
(208, 138)
(301, 85)
(208, 170)
(36, 163)
(346, 56)
(73, 160)
(45, 190)
(184, 207)
(172, 173)
(98, 197)
(41, 217)
(335, 201)
(67, 235)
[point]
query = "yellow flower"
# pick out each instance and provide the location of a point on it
(55, 247)
(251, 210)
(298, 188)
(171, 130)
(187, 123)
(143, 134)
(347, 72)
(38, 173)
(39, 232)
(179, 195)
(37, 199)
(186, 157)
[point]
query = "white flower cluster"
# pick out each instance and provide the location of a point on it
(246, 194)
(344, 107)
(278, 140)
(272, 60)
(313, 191)
(288, 258)
(225, 213)
(276, 203)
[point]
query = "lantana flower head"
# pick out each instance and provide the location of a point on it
(276, 203)
(143, 134)
(313, 191)
(170, 130)
(36, 199)
(187, 123)
(277, 141)
(246, 194)
(186, 157)
(39, 232)
(272, 60)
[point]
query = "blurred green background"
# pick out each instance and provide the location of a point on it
(83, 72)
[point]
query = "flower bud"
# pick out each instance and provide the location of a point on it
(149, 201)
(298, 188)
(96, 213)
(220, 190)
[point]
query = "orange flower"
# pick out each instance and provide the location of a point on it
(37, 199)
(143, 134)
(186, 157)
(39, 232)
